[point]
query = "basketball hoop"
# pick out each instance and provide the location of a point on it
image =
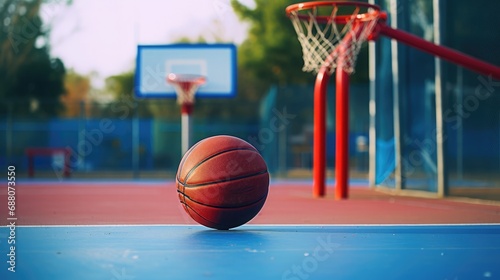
(185, 86)
(331, 33)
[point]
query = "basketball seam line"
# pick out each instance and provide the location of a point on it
(210, 157)
(224, 180)
(221, 207)
(199, 215)
(184, 159)
(181, 165)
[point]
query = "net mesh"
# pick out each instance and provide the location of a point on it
(185, 86)
(333, 40)
(185, 94)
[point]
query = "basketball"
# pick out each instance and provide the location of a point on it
(222, 182)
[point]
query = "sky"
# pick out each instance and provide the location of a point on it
(101, 36)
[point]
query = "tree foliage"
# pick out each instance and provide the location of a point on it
(28, 75)
(77, 88)
(125, 104)
(271, 51)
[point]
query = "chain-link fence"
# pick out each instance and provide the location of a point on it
(131, 138)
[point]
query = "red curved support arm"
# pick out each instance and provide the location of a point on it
(454, 56)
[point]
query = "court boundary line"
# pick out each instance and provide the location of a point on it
(471, 200)
(271, 225)
(331, 182)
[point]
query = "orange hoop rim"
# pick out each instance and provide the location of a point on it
(342, 19)
(186, 78)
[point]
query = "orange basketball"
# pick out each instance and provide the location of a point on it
(222, 182)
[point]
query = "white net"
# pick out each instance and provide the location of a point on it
(331, 43)
(185, 86)
(185, 94)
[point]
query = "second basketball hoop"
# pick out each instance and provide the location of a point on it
(185, 72)
(185, 86)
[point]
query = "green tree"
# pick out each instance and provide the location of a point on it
(124, 105)
(28, 75)
(272, 53)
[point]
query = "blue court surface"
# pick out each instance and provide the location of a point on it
(254, 252)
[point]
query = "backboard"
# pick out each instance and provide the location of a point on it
(216, 62)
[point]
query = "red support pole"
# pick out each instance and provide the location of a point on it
(342, 134)
(319, 145)
(342, 120)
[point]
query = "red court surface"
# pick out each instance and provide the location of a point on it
(138, 230)
(156, 202)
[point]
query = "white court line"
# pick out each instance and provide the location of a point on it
(273, 225)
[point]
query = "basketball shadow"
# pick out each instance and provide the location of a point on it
(237, 239)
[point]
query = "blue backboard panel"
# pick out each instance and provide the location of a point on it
(217, 62)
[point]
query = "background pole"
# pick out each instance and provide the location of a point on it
(186, 110)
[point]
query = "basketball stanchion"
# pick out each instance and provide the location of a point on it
(190, 70)
(185, 86)
(331, 34)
